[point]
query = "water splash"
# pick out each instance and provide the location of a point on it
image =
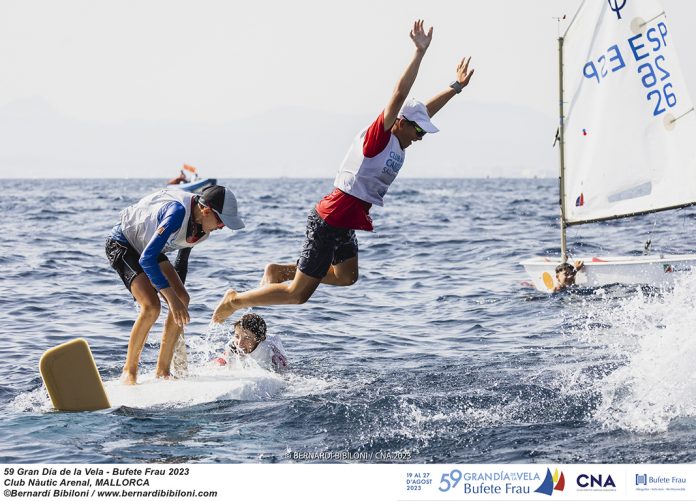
(650, 337)
(36, 400)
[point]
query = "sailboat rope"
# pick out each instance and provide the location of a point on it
(651, 20)
(682, 115)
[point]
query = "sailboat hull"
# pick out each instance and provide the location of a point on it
(656, 271)
(196, 186)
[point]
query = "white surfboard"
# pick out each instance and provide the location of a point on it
(206, 385)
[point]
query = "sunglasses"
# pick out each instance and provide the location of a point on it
(220, 224)
(419, 132)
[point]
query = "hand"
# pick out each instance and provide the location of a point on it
(463, 72)
(578, 265)
(178, 309)
(419, 37)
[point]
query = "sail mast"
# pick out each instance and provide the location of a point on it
(564, 250)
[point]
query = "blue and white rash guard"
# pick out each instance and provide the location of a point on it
(157, 224)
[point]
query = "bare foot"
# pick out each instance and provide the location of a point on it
(128, 378)
(226, 307)
(164, 375)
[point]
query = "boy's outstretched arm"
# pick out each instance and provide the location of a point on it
(464, 74)
(421, 40)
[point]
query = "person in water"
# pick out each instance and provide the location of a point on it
(251, 340)
(330, 252)
(565, 274)
(160, 223)
(181, 178)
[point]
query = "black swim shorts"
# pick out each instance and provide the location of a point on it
(125, 260)
(325, 245)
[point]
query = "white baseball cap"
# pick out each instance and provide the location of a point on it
(224, 203)
(415, 111)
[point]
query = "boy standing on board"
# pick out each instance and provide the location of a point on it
(330, 252)
(157, 224)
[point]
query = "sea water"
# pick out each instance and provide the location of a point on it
(439, 353)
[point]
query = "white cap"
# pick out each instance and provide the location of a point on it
(415, 111)
(224, 203)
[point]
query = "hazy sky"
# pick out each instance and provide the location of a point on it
(215, 61)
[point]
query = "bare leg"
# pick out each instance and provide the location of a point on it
(170, 336)
(180, 358)
(149, 303)
(172, 331)
(277, 273)
(296, 292)
(342, 274)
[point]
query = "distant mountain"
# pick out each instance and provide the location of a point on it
(476, 140)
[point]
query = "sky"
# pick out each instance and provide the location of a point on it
(268, 71)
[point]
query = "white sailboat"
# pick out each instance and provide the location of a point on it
(627, 136)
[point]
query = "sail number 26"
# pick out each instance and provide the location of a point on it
(652, 67)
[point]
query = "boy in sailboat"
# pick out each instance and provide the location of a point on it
(330, 252)
(565, 274)
(159, 223)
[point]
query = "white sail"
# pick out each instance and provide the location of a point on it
(630, 127)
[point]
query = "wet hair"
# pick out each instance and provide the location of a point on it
(567, 267)
(254, 324)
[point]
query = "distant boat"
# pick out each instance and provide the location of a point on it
(627, 139)
(195, 186)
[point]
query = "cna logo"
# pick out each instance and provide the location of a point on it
(555, 482)
(596, 482)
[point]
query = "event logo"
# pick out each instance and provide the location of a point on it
(555, 482)
(615, 7)
(502, 482)
(674, 482)
(597, 482)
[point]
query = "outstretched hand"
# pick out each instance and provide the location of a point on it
(419, 37)
(464, 74)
